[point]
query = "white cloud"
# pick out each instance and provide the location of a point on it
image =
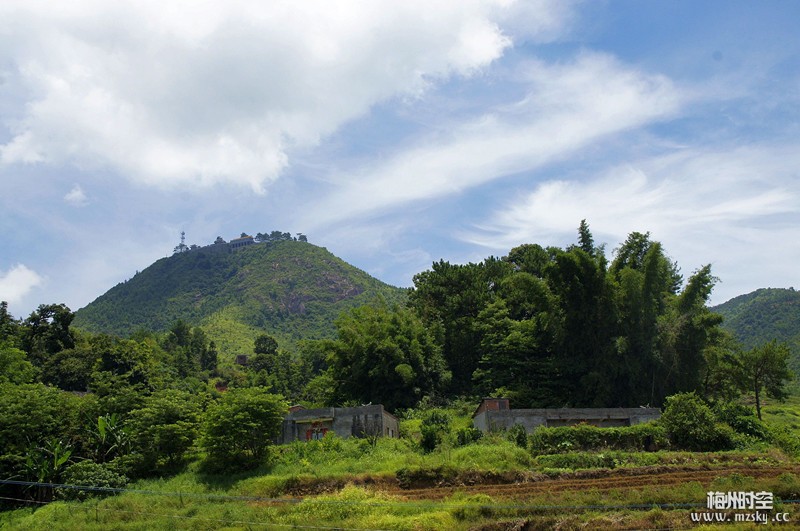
(664, 194)
(220, 92)
(76, 197)
(17, 282)
(539, 21)
(568, 106)
(738, 209)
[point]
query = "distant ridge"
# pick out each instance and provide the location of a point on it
(290, 289)
(764, 315)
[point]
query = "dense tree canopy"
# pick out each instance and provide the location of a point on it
(47, 331)
(278, 369)
(555, 327)
(385, 355)
(33, 416)
(164, 429)
(449, 299)
(240, 427)
(15, 367)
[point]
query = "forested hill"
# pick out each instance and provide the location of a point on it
(764, 315)
(290, 289)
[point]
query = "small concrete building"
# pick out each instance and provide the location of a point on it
(494, 414)
(312, 424)
(238, 243)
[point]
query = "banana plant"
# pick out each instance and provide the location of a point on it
(45, 463)
(111, 438)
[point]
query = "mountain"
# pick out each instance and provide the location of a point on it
(764, 315)
(290, 289)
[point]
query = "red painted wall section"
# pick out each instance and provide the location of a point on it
(492, 404)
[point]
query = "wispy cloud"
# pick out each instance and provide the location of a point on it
(567, 107)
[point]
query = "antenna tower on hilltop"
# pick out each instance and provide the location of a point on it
(181, 247)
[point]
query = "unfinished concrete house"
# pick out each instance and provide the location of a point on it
(494, 414)
(312, 424)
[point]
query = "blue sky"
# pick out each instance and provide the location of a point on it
(395, 133)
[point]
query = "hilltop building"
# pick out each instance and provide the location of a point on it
(243, 241)
(495, 414)
(312, 424)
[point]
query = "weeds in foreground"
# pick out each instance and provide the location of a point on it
(347, 468)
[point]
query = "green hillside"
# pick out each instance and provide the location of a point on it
(293, 290)
(764, 315)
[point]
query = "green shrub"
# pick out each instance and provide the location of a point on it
(435, 425)
(164, 429)
(240, 427)
(490, 454)
(605, 459)
(469, 435)
(130, 465)
(332, 443)
(90, 474)
(437, 417)
(518, 435)
(431, 437)
(785, 439)
(787, 487)
(31, 415)
(584, 437)
(691, 425)
(741, 418)
(568, 438)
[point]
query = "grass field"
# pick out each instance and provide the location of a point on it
(489, 484)
(786, 414)
(641, 497)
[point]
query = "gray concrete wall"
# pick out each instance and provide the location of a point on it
(391, 426)
(358, 421)
(295, 424)
(345, 422)
(531, 419)
(503, 420)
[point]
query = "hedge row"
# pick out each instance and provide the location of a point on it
(641, 437)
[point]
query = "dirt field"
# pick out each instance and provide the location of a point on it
(597, 480)
(530, 501)
(521, 485)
